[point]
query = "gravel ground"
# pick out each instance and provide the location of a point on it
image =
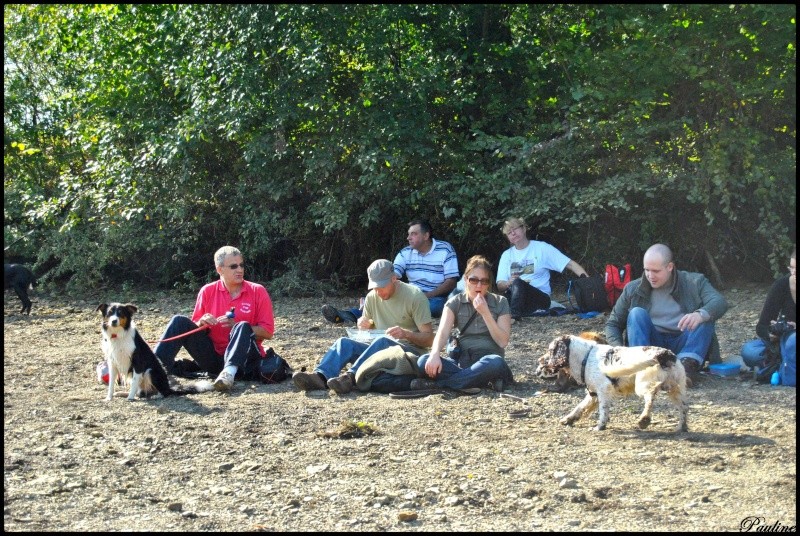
(270, 458)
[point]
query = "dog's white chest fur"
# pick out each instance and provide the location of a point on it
(131, 359)
(119, 347)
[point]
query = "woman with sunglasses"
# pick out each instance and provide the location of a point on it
(484, 323)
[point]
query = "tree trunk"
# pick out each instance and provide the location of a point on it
(716, 277)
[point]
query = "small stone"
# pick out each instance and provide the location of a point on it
(407, 516)
(314, 469)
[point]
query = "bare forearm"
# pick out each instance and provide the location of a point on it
(500, 330)
(261, 333)
(442, 290)
(576, 268)
(419, 338)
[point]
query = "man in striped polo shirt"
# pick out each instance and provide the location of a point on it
(427, 263)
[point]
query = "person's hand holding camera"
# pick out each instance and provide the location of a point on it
(778, 327)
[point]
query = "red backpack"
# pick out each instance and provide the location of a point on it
(616, 279)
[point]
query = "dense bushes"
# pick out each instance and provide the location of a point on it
(138, 139)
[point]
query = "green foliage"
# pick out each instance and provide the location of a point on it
(140, 138)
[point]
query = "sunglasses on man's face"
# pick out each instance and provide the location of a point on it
(475, 280)
(236, 266)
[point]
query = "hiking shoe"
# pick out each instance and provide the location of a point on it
(331, 314)
(692, 368)
(224, 381)
(308, 381)
(343, 383)
(418, 384)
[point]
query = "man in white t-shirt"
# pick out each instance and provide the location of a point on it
(523, 273)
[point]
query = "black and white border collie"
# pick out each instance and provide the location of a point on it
(128, 355)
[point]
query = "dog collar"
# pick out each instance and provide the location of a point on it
(583, 365)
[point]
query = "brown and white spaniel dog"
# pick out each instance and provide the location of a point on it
(610, 372)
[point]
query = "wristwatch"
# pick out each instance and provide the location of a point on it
(704, 315)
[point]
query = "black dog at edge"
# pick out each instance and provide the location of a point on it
(20, 278)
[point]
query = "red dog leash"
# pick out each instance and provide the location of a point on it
(182, 335)
(229, 314)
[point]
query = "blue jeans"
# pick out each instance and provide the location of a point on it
(437, 305)
(242, 351)
(693, 344)
(345, 351)
(487, 369)
(754, 352)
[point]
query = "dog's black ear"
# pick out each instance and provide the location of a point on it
(103, 307)
(561, 351)
(665, 357)
(131, 307)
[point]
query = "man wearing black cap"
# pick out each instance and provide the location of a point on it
(400, 309)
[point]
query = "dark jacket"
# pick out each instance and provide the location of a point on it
(691, 290)
(779, 301)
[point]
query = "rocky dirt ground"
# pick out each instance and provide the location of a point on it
(270, 458)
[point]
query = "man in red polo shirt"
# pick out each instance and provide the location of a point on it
(239, 317)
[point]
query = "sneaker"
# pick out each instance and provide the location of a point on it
(343, 383)
(308, 381)
(692, 368)
(419, 384)
(224, 381)
(331, 314)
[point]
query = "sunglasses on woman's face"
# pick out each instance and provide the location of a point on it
(475, 280)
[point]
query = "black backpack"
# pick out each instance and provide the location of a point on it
(772, 362)
(589, 294)
(273, 368)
